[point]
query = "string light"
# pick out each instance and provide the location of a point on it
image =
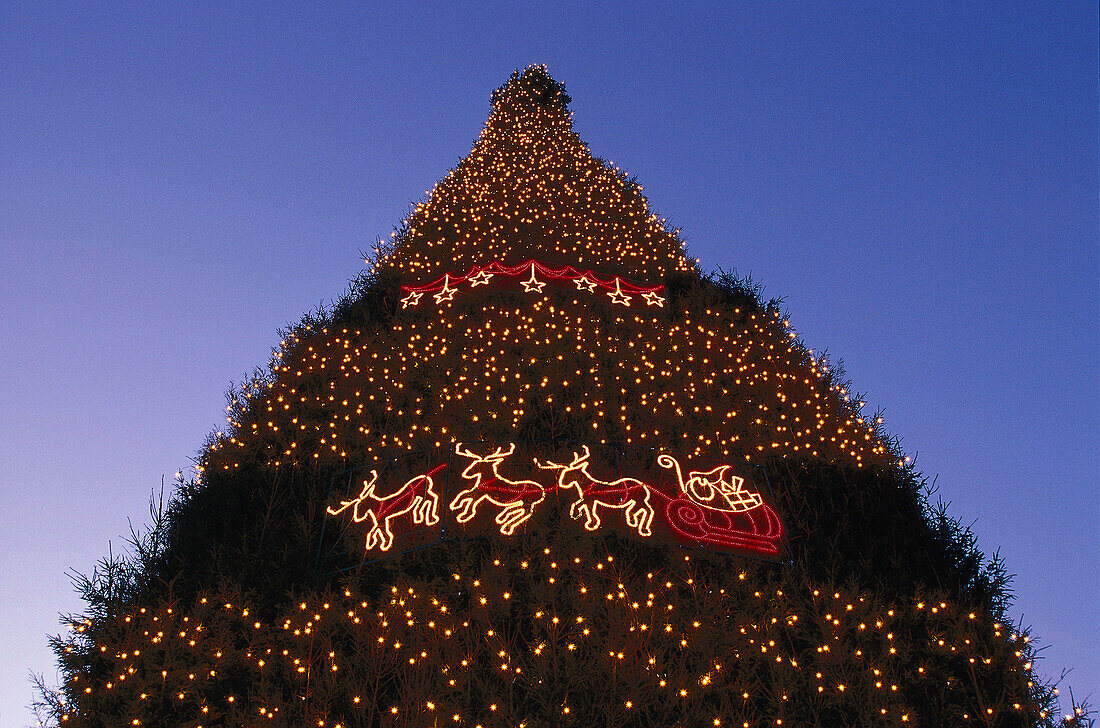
(564, 346)
(418, 636)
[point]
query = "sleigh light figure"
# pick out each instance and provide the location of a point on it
(711, 488)
(517, 499)
(629, 495)
(715, 508)
(416, 495)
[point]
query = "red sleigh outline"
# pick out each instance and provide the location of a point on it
(747, 523)
(758, 529)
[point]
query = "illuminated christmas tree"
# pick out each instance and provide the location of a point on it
(536, 469)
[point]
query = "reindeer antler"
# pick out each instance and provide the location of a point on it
(500, 454)
(577, 460)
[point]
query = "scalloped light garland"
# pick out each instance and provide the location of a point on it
(538, 275)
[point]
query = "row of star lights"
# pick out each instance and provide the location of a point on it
(446, 288)
(417, 635)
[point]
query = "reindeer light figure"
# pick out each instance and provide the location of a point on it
(626, 494)
(517, 499)
(417, 495)
(711, 488)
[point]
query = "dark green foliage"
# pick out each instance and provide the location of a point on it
(533, 85)
(238, 607)
(866, 530)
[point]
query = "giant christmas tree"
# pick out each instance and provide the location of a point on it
(537, 470)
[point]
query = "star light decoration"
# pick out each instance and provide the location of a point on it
(538, 275)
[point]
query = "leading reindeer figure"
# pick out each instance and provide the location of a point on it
(629, 495)
(417, 495)
(517, 499)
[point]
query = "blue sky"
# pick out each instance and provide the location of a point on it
(919, 182)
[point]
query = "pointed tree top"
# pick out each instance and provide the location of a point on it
(531, 189)
(535, 85)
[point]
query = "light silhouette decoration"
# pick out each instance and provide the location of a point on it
(517, 499)
(629, 495)
(710, 509)
(533, 276)
(416, 495)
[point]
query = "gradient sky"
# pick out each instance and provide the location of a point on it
(919, 183)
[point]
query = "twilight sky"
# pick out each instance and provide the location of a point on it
(919, 183)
